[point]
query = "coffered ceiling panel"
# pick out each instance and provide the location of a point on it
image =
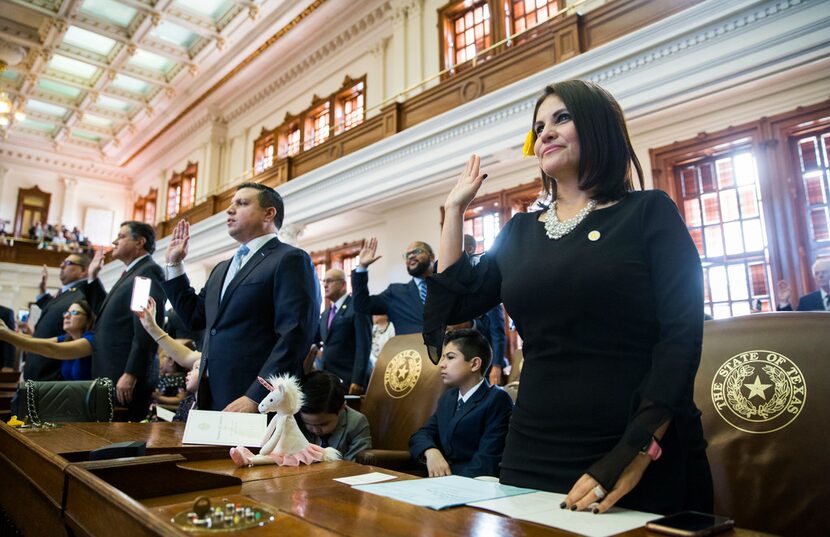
(94, 74)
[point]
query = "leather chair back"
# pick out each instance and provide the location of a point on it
(402, 393)
(764, 389)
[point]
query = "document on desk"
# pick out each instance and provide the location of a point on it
(543, 508)
(224, 428)
(365, 479)
(442, 492)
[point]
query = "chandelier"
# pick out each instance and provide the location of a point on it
(11, 109)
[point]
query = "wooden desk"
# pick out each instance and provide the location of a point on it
(138, 496)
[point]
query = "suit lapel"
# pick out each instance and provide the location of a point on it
(244, 271)
(121, 280)
(340, 311)
(468, 407)
(414, 293)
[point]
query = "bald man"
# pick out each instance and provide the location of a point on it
(815, 301)
(345, 335)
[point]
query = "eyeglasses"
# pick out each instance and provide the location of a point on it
(73, 313)
(67, 263)
(415, 252)
(328, 281)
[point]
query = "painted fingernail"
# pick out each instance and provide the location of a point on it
(485, 177)
(573, 507)
(562, 505)
(595, 510)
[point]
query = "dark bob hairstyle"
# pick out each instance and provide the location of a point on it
(605, 152)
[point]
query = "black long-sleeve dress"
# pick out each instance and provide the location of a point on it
(611, 316)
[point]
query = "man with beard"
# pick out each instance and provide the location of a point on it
(402, 302)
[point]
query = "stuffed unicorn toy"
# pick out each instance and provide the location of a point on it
(283, 443)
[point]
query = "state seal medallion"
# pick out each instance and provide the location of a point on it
(402, 373)
(759, 391)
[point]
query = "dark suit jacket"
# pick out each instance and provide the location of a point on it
(121, 344)
(400, 301)
(472, 440)
(347, 344)
(491, 326)
(263, 326)
(809, 302)
(50, 324)
(7, 349)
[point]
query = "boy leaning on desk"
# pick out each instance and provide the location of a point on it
(465, 435)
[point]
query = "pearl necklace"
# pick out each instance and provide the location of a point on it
(556, 229)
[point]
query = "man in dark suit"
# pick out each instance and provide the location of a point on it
(79, 281)
(465, 435)
(7, 350)
(345, 334)
(815, 301)
(122, 350)
(259, 309)
(402, 302)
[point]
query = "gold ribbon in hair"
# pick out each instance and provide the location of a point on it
(530, 140)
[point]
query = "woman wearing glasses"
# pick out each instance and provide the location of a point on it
(605, 287)
(74, 346)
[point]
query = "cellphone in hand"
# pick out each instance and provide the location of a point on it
(691, 524)
(141, 293)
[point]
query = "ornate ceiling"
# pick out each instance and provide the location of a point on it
(98, 74)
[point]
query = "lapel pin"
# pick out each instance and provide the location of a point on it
(594, 235)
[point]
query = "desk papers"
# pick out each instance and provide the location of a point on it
(164, 414)
(365, 479)
(442, 492)
(224, 428)
(543, 508)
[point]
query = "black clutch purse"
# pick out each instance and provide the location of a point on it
(42, 403)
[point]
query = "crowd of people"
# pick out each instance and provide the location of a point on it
(57, 237)
(604, 286)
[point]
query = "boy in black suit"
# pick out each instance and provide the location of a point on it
(465, 435)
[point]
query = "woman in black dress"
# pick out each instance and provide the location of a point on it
(606, 289)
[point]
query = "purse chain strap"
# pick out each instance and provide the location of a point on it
(31, 407)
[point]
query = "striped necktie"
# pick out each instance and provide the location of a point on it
(422, 290)
(236, 264)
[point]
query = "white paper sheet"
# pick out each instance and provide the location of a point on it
(164, 414)
(366, 479)
(543, 508)
(224, 428)
(442, 492)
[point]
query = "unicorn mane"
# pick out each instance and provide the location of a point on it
(294, 397)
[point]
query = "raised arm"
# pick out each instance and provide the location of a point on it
(178, 352)
(68, 350)
(452, 232)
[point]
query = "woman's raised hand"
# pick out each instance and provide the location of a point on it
(177, 249)
(148, 316)
(467, 186)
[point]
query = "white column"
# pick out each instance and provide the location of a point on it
(68, 216)
(396, 70)
(414, 44)
(3, 172)
(376, 78)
